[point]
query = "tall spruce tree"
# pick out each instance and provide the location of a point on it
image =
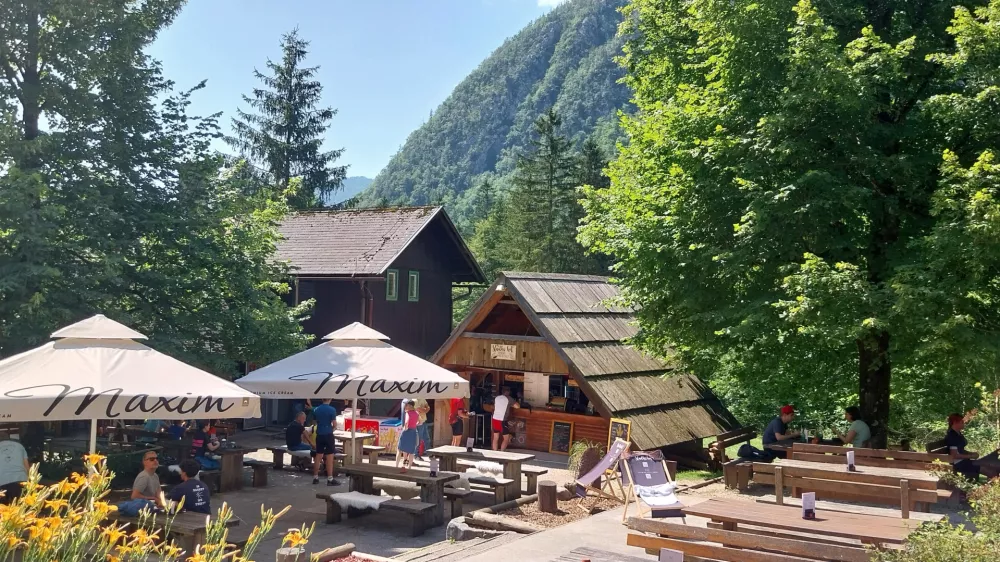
(282, 133)
(542, 202)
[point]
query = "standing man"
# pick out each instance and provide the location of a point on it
(777, 430)
(14, 468)
(456, 418)
(325, 415)
(501, 410)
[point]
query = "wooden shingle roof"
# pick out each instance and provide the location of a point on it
(574, 314)
(365, 242)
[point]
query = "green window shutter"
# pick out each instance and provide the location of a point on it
(413, 286)
(392, 285)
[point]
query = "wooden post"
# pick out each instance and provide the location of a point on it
(779, 486)
(904, 498)
(547, 500)
(288, 554)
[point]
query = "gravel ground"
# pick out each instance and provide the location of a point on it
(569, 510)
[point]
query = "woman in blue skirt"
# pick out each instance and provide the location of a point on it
(409, 440)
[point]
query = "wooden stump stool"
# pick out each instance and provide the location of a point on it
(547, 497)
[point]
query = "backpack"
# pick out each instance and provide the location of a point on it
(750, 453)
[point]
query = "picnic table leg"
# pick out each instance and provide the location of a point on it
(231, 477)
(279, 460)
(434, 493)
(512, 470)
(448, 463)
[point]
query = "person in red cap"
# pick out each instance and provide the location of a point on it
(777, 430)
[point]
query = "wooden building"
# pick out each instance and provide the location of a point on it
(391, 269)
(554, 342)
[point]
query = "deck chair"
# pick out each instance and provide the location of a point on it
(647, 482)
(604, 475)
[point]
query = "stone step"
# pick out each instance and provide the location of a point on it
(454, 551)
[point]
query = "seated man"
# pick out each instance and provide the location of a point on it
(194, 491)
(147, 483)
(178, 429)
(296, 436)
(961, 460)
(777, 430)
(202, 444)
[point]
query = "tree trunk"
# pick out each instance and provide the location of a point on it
(874, 376)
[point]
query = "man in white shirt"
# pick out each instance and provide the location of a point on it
(501, 408)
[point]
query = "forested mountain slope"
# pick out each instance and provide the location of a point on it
(564, 59)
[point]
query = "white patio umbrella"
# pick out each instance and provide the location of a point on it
(95, 370)
(355, 362)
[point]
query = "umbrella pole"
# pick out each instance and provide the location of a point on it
(354, 430)
(93, 436)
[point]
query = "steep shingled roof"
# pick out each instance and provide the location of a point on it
(363, 242)
(572, 313)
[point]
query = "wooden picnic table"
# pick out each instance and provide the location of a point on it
(362, 477)
(786, 444)
(353, 446)
(511, 462)
(231, 468)
(869, 529)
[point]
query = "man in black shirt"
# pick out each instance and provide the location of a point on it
(961, 460)
(296, 438)
(777, 430)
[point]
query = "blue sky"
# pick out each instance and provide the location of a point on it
(385, 64)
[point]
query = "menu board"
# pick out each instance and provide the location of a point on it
(561, 437)
(536, 389)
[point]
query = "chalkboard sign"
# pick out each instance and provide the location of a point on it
(561, 438)
(619, 429)
(518, 427)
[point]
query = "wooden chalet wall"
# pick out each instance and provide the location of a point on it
(534, 354)
(538, 427)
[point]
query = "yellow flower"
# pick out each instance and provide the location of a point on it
(170, 550)
(112, 534)
(56, 505)
(12, 541)
(65, 487)
(93, 459)
(294, 538)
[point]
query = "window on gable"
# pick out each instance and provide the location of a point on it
(413, 287)
(392, 285)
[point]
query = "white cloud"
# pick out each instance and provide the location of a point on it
(550, 3)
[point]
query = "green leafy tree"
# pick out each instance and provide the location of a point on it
(112, 202)
(283, 130)
(807, 204)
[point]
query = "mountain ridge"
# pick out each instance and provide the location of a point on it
(564, 59)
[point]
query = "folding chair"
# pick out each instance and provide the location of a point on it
(647, 482)
(599, 474)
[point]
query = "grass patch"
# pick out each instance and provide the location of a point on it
(696, 475)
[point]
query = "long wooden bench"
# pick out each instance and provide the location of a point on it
(856, 487)
(717, 449)
(300, 461)
(417, 511)
(372, 452)
(259, 471)
(499, 485)
(187, 528)
(735, 546)
(455, 497)
(532, 473)
(885, 458)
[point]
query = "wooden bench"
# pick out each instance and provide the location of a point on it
(418, 511)
(717, 449)
(885, 458)
(857, 486)
(532, 474)
(187, 528)
(734, 546)
(300, 461)
(372, 452)
(455, 497)
(259, 471)
(499, 485)
(212, 479)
